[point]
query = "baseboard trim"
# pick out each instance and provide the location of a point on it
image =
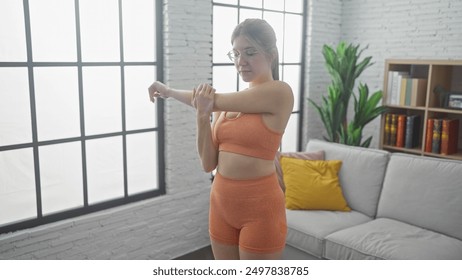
(204, 253)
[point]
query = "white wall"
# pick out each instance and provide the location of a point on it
(324, 26)
(418, 29)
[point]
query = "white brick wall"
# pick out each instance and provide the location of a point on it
(324, 22)
(417, 29)
(160, 228)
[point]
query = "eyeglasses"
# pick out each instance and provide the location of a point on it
(234, 55)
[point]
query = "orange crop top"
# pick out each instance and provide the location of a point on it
(246, 134)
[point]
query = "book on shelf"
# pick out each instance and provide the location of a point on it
(408, 92)
(402, 91)
(390, 87)
(400, 130)
(429, 136)
(418, 92)
(436, 140)
(386, 139)
(412, 131)
(393, 127)
(449, 136)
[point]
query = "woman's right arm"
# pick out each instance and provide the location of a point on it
(158, 89)
(203, 102)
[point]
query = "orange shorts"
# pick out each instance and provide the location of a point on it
(248, 213)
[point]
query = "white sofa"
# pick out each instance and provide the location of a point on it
(403, 207)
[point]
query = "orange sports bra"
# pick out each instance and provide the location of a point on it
(246, 134)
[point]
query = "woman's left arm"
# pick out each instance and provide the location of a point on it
(271, 97)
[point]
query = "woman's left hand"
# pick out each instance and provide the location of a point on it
(203, 99)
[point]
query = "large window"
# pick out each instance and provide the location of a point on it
(288, 18)
(77, 130)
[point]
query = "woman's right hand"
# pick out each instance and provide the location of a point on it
(203, 99)
(158, 89)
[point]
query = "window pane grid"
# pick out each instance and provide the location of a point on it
(266, 7)
(282, 16)
(88, 74)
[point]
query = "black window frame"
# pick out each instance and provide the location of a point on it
(35, 144)
(299, 111)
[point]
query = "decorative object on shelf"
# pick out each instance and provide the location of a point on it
(344, 69)
(455, 100)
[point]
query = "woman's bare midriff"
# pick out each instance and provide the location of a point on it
(240, 167)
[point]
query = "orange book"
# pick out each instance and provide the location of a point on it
(400, 130)
(449, 136)
(429, 136)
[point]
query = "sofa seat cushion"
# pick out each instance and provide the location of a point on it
(308, 228)
(385, 238)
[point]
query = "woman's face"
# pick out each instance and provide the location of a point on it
(251, 63)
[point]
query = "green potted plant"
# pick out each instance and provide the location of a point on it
(344, 68)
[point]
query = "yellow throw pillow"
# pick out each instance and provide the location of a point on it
(313, 184)
(318, 155)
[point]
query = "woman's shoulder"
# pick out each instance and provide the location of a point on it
(281, 94)
(281, 83)
(281, 89)
(279, 86)
(277, 83)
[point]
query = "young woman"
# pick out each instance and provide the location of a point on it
(247, 213)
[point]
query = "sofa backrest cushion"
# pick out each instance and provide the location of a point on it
(361, 175)
(425, 192)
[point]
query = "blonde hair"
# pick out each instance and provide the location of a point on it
(262, 36)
